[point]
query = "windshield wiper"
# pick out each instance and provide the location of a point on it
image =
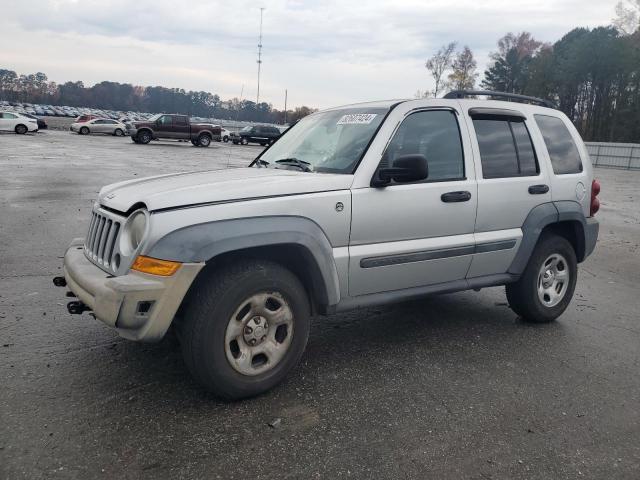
(294, 162)
(258, 162)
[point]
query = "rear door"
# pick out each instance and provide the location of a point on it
(511, 182)
(416, 234)
(6, 122)
(181, 127)
(97, 126)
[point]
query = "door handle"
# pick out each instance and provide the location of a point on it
(455, 197)
(538, 189)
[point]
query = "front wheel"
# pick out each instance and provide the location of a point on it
(546, 287)
(244, 328)
(84, 131)
(118, 132)
(144, 137)
(244, 141)
(21, 129)
(225, 139)
(204, 140)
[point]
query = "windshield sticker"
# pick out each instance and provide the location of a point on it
(357, 119)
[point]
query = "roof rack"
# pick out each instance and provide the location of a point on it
(513, 96)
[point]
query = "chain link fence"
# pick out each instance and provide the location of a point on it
(614, 155)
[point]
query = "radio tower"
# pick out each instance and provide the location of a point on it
(259, 57)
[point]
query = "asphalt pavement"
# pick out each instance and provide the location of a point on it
(452, 386)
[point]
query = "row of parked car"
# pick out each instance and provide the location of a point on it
(175, 127)
(66, 111)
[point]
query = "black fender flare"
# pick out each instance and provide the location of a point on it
(205, 241)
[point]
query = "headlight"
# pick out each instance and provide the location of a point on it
(134, 231)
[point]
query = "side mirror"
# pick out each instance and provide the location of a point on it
(406, 168)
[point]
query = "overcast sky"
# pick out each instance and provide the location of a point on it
(324, 52)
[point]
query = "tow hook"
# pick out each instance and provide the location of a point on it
(59, 281)
(77, 308)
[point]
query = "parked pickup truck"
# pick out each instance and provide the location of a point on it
(354, 206)
(176, 127)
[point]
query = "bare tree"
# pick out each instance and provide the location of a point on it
(438, 64)
(464, 75)
(523, 43)
(627, 19)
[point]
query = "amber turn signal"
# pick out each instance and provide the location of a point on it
(155, 266)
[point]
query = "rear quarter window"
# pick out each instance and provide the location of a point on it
(563, 151)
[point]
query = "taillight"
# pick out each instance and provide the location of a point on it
(595, 203)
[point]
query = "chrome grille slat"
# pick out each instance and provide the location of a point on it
(96, 240)
(111, 243)
(102, 238)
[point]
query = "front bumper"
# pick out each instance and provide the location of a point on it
(138, 306)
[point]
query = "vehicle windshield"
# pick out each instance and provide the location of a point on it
(332, 141)
(246, 129)
(153, 118)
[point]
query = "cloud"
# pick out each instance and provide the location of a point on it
(325, 52)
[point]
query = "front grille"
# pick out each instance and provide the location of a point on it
(100, 244)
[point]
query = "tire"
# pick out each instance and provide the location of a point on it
(204, 140)
(225, 139)
(543, 292)
(118, 132)
(144, 137)
(235, 142)
(244, 141)
(134, 139)
(84, 131)
(195, 143)
(21, 129)
(215, 342)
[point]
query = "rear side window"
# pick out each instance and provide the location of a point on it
(560, 145)
(434, 134)
(505, 148)
(180, 120)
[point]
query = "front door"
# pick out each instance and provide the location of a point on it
(417, 234)
(164, 126)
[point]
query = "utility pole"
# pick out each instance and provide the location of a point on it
(259, 57)
(285, 107)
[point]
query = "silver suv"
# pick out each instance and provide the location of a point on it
(354, 206)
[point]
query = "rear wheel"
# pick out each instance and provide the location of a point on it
(21, 129)
(546, 286)
(84, 131)
(194, 143)
(225, 139)
(244, 328)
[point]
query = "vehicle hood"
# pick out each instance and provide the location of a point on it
(236, 184)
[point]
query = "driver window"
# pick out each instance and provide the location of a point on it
(434, 134)
(165, 120)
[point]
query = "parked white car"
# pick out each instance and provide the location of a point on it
(99, 125)
(15, 122)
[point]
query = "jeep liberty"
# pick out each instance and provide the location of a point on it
(354, 206)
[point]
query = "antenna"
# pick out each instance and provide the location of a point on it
(259, 56)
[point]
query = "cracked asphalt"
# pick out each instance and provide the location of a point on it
(453, 386)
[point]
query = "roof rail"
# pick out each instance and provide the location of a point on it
(513, 96)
